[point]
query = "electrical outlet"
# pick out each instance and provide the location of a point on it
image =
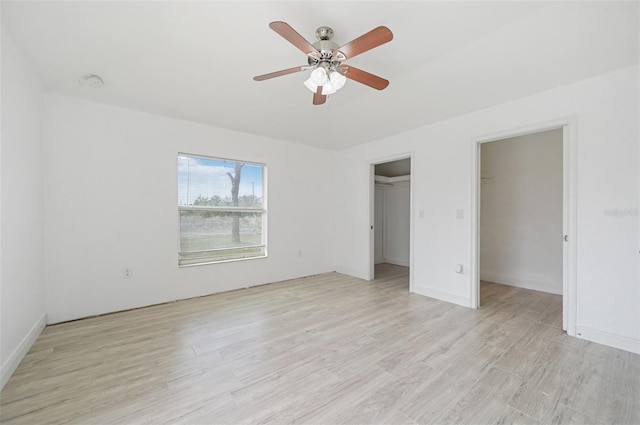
(127, 273)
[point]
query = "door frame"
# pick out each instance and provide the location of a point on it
(569, 127)
(383, 194)
(371, 192)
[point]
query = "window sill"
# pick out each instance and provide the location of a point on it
(231, 260)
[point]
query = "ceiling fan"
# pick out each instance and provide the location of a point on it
(326, 59)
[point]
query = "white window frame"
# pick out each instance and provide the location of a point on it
(263, 211)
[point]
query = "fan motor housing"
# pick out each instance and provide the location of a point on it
(325, 46)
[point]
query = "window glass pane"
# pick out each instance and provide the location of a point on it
(210, 182)
(215, 232)
(206, 230)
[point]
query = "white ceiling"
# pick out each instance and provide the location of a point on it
(196, 60)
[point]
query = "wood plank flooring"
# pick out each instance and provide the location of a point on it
(327, 349)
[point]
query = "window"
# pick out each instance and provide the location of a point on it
(221, 204)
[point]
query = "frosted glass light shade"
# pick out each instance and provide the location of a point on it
(319, 76)
(337, 80)
(311, 85)
(328, 88)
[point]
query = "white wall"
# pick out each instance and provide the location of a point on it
(521, 211)
(21, 261)
(111, 202)
(397, 223)
(392, 223)
(608, 279)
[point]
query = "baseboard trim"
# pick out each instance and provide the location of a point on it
(21, 350)
(606, 338)
(350, 272)
(522, 283)
(442, 296)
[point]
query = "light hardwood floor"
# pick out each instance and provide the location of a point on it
(327, 349)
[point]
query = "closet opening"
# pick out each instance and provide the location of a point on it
(391, 219)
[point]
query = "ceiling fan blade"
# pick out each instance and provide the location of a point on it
(292, 36)
(365, 42)
(279, 73)
(318, 97)
(366, 78)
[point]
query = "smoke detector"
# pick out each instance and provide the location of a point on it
(91, 80)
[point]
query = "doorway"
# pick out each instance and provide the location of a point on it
(391, 217)
(525, 214)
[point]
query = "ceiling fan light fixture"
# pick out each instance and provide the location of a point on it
(330, 83)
